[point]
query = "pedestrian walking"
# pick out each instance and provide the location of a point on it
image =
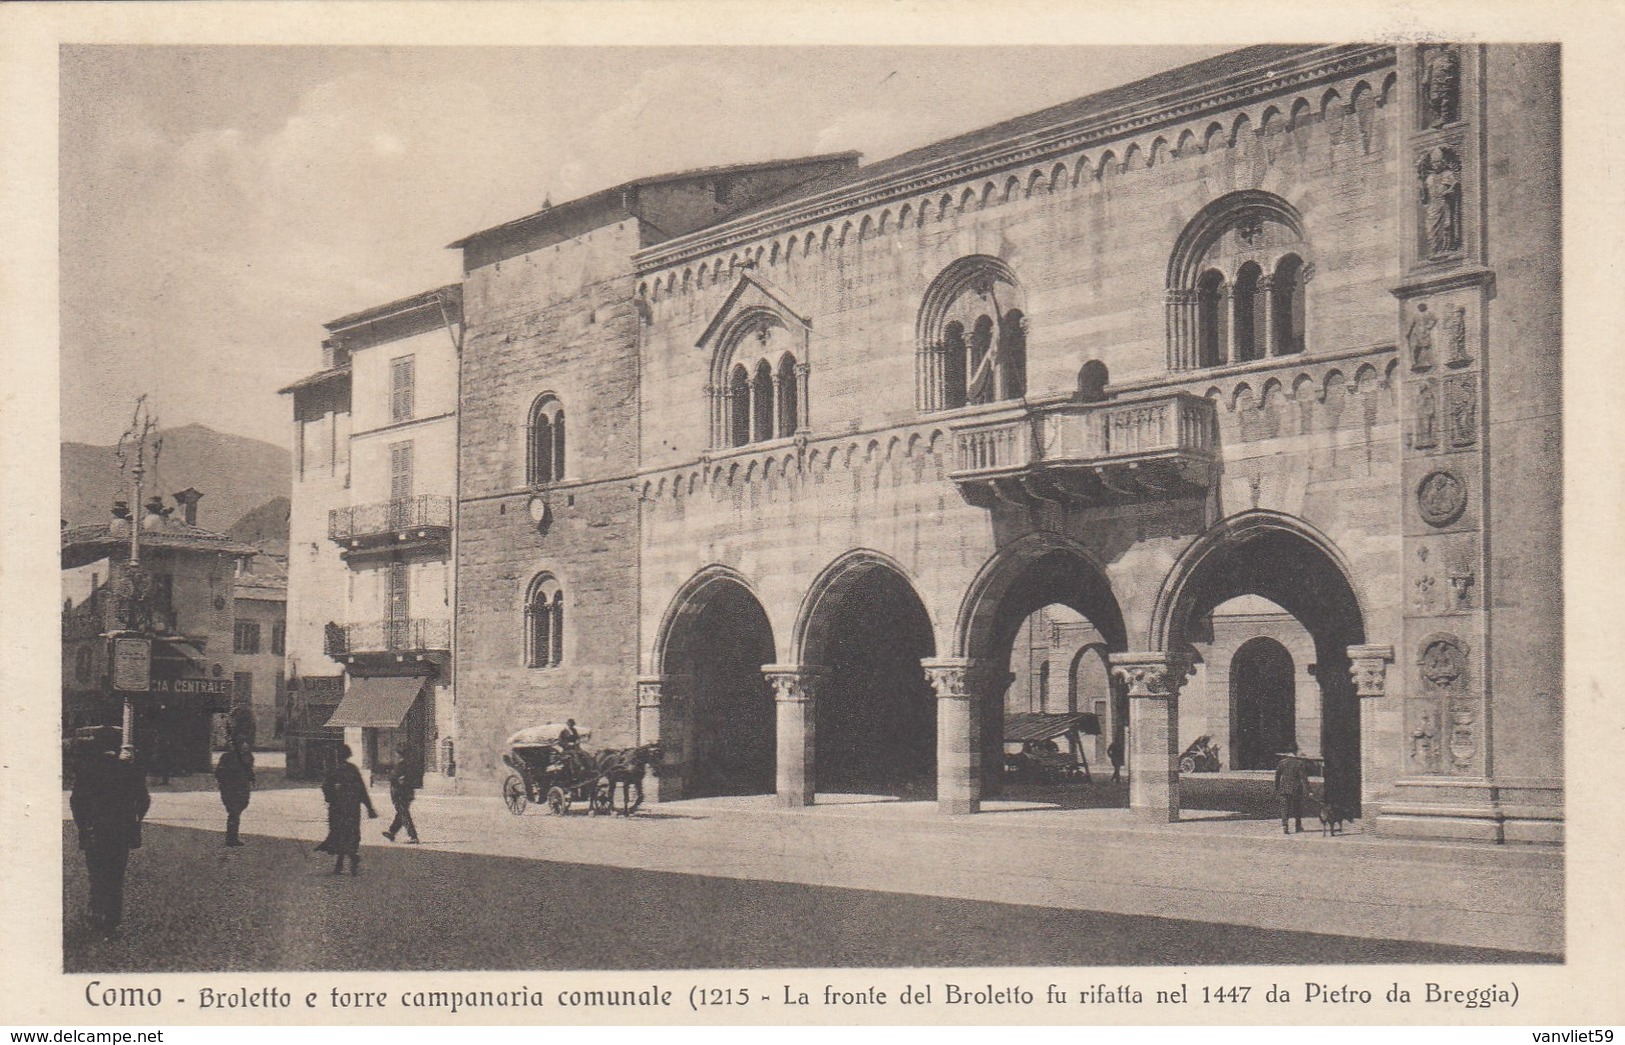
(108, 801)
(404, 781)
(346, 794)
(1114, 751)
(1291, 787)
(235, 775)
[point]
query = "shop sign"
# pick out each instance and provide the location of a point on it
(132, 664)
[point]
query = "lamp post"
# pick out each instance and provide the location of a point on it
(132, 452)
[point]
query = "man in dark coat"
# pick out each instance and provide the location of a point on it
(404, 780)
(1114, 751)
(1291, 787)
(346, 794)
(235, 775)
(108, 801)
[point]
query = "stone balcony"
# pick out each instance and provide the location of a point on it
(405, 522)
(410, 639)
(1085, 453)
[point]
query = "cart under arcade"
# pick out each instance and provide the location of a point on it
(1033, 746)
(544, 770)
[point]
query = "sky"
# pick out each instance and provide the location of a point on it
(218, 204)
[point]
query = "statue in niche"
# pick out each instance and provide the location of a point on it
(1455, 332)
(1439, 171)
(1419, 336)
(1427, 418)
(1441, 84)
(1424, 741)
(1462, 395)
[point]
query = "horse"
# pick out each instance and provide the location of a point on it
(623, 768)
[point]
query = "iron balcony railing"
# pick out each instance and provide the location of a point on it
(427, 515)
(414, 635)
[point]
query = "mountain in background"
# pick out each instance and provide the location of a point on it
(265, 526)
(239, 478)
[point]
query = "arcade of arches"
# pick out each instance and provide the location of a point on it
(1259, 626)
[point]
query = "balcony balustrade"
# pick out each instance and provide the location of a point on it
(1087, 453)
(425, 519)
(416, 636)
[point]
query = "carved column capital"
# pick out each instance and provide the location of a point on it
(649, 687)
(1156, 676)
(1368, 666)
(793, 683)
(963, 677)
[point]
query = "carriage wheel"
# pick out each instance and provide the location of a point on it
(513, 795)
(558, 801)
(1187, 764)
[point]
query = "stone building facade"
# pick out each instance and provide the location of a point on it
(1282, 324)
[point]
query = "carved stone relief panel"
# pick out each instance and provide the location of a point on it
(1425, 419)
(1419, 337)
(1438, 174)
(1442, 575)
(1463, 740)
(1441, 497)
(1461, 410)
(1439, 68)
(1442, 664)
(1423, 740)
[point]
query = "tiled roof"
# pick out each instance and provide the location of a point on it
(87, 544)
(317, 378)
(1209, 70)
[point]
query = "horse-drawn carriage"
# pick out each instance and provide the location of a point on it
(549, 766)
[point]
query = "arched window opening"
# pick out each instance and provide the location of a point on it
(972, 331)
(544, 622)
(954, 366)
(545, 442)
(1093, 377)
(761, 404)
(1210, 320)
(556, 626)
(1286, 303)
(1249, 304)
(981, 385)
(787, 397)
(739, 400)
(1013, 354)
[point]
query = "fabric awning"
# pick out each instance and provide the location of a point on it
(176, 649)
(381, 703)
(1032, 726)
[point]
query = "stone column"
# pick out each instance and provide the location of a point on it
(1227, 307)
(959, 734)
(662, 717)
(1153, 681)
(1266, 293)
(803, 399)
(795, 691)
(1368, 667)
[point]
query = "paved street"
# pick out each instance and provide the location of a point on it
(736, 883)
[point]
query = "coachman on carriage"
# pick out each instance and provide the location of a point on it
(550, 766)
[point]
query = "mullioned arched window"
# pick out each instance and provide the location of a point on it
(544, 622)
(972, 337)
(1237, 283)
(544, 460)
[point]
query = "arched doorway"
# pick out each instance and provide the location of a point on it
(717, 642)
(1041, 586)
(1290, 564)
(1263, 706)
(875, 713)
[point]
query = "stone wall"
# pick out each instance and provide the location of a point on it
(560, 321)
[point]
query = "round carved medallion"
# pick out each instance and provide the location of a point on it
(1441, 498)
(1443, 662)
